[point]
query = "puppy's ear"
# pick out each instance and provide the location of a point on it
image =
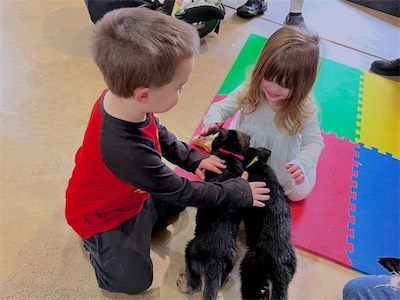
(221, 137)
(244, 139)
(222, 132)
(263, 153)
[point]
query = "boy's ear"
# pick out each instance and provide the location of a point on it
(142, 94)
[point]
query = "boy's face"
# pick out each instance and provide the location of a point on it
(164, 98)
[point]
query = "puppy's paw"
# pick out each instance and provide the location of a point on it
(181, 282)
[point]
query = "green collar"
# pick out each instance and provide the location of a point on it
(255, 159)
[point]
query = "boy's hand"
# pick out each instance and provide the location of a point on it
(258, 190)
(212, 163)
(210, 128)
(296, 173)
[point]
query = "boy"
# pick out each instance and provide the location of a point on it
(120, 186)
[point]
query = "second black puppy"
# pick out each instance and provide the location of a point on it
(270, 261)
(211, 255)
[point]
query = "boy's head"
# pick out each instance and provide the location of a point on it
(138, 47)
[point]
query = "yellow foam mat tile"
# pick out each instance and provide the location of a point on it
(379, 114)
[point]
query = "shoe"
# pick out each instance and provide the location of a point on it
(252, 8)
(296, 19)
(386, 67)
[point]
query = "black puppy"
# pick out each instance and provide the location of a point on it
(211, 255)
(270, 261)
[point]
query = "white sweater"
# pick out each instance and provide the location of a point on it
(302, 149)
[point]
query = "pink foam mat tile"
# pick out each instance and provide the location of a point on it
(320, 222)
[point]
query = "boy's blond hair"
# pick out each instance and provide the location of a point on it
(138, 47)
(290, 57)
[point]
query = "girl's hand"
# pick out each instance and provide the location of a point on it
(258, 191)
(296, 173)
(212, 163)
(210, 128)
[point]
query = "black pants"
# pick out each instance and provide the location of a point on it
(121, 256)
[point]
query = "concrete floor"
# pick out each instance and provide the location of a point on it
(48, 85)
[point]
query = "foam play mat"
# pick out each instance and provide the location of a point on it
(352, 216)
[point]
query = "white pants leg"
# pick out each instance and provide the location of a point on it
(296, 6)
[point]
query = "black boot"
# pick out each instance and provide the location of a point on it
(295, 19)
(386, 67)
(252, 8)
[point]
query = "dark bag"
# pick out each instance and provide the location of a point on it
(205, 18)
(98, 8)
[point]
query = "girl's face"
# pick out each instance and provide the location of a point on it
(273, 91)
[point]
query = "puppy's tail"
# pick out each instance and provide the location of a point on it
(211, 286)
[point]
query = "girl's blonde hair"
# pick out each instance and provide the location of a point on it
(290, 57)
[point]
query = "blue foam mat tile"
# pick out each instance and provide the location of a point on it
(377, 211)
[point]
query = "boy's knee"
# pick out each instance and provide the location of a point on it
(128, 273)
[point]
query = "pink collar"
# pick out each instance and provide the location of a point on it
(238, 156)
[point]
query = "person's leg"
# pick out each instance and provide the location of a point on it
(295, 16)
(300, 192)
(121, 256)
(372, 287)
(296, 6)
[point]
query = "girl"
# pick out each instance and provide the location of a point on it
(276, 111)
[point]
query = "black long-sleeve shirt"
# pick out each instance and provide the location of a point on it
(119, 165)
